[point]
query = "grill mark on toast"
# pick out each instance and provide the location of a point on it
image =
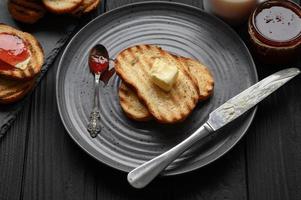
(207, 78)
(177, 103)
(173, 96)
(25, 5)
(158, 109)
(133, 56)
(36, 52)
(181, 110)
(164, 117)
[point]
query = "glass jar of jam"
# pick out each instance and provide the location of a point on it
(275, 31)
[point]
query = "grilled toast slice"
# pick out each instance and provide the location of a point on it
(26, 11)
(61, 6)
(132, 106)
(12, 90)
(86, 7)
(135, 109)
(202, 76)
(134, 64)
(34, 64)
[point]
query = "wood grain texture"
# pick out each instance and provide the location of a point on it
(273, 144)
(223, 179)
(273, 141)
(55, 167)
(36, 155)
(13, 156)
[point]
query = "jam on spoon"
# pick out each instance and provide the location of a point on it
(98, 63)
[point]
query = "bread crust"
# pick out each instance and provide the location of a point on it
(12, 90)
(26, 11)
(202, 76)
(86, 7)
(170, 107)
(36, 51)
(136, 110)
(62, 6)
(132, 106)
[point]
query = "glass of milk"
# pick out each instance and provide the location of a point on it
(234, 12)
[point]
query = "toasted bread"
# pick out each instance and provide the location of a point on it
(131, 105)
(135, 109)
(201, 75)
(36, 52)
(133, 65)
(86, 7)
(61, 6)
(26, 11)
(12, 90)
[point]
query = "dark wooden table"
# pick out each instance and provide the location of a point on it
(38, 160)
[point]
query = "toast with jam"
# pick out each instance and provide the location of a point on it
(21, 59)
(21, 55)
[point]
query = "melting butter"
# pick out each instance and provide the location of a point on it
(164, 74)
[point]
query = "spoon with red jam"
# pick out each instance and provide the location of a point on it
(98, 63)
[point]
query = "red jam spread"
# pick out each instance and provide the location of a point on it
(278, 23)
(275, 31)
(98, 63)
(13, 50)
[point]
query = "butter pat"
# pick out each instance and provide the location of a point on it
(164, 74)
(23, 65)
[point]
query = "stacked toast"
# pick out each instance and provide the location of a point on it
(30, 11)
(142, 100)
(17, 79)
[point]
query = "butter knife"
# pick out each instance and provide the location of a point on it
(226, 113)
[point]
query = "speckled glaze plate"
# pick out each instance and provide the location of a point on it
(183, 30)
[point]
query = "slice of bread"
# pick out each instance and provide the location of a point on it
(134, 64)
(132, 106)
(36, 52)
(12, 90)
(202, 76)
(26, 11)
(86, 7)
(135, 109)
(61, 6)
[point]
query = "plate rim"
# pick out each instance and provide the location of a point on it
(183, 5)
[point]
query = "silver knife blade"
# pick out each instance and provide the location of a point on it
(247, 99)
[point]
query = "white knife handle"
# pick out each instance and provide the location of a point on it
(144, 174)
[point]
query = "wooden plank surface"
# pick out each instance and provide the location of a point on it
(55, 167)
(12, 157)
(38, 160)
(273, 142)
(273, 146)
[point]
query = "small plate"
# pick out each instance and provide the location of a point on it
(181, 29)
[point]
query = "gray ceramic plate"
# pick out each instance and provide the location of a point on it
(180, 29)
